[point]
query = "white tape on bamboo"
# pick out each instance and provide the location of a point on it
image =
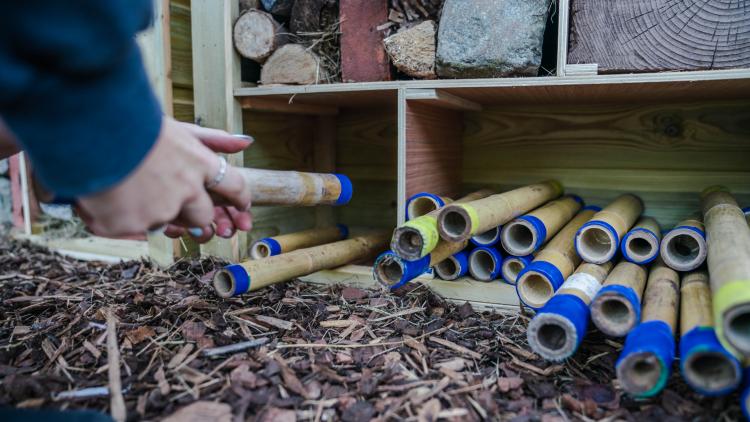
(684, 247)
(616, 309)
(598, 240)
(277, 187)
(247, 276)
(729, 268)
(270, 246)
(526, 234)
(641, 244)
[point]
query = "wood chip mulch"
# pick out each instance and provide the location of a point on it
(290, 352)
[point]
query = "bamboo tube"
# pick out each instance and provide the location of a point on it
(552, 265)
(617, 307)
(461, 221)
(512, 267)
(729, 268)
(705, 364)
(526, 234)
(641, 244)
(454, 267)
(684, 247)
(747, 214)
(646, 359)
(247, 276)
(424, 203)
(276, 245)
(276, 187)
(557, 330)
(419, 236)
(745, 394)
(393, 272)
(485, 263)
(598, 240)
(489, 238)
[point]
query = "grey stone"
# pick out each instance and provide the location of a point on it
(491, 38)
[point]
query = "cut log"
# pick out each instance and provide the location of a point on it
(292, 64)
(491, 38)
(413, 51)
(659, 35)
(363, 58)
(281, 8)
(257, 35)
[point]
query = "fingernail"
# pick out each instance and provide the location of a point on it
(227, 232)
(195, 231)
(247, 138)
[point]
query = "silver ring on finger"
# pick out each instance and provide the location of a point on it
(220, 175)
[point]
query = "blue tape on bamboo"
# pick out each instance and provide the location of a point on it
(462, 262)
(497, 260)
(541, 230)
(241, 278)
(700, 232)
(483, 240)
(624, 243)
(548, 271)
(577, 199)
(573, 309)
(655, 339)
(273, 246)
(745, 395)
(704, 340)
(438, 200)
(523, 262)
(344, 229)
(409, 270)
(603, 224)
(594, 208)
(628, 293)
(346, 190)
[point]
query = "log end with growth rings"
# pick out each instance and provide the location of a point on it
(613, 314)
(596, 242)
(684, 248)
(552, 336)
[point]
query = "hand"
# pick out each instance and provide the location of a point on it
(168, 186)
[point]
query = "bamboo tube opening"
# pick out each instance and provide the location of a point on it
(640, 372)
(408, 243)
(389, 271)
(511, 268)
(737, 326)
(613, 314)
(519, 237)
(552, 336)
(711, 371)
(448, 269)
(482, 265)
(260, 250)
(488, 237)
(455, 224)
(534, 289)
(596, 244)
(641, 246)
(224, 283)
(683, 249)
(421, 206)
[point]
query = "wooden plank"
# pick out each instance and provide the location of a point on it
(659, 35)
(581, 69)
(401, 161)
(433, 149)
(563, 29)
(93, 247)
(216, 74)
(441, 98)
(324, 161)
(289, 107)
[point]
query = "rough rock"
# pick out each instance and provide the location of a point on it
(413, 51)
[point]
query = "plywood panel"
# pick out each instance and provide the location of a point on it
(433, 149)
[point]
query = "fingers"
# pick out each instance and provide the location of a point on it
(201, 234)
(174, 231)
(242, 220)
(196, 212)
(218, 140)
(233, 189)
(224, 226)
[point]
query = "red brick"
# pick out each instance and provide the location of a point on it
(363, 58)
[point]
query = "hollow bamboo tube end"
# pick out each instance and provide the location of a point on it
(416, 238)
(388, 270)
(451, 268)
(552, 336)
(640, 246)
(614, 314)
(736, 327)
(706, 366)
(596, 242)
(642, 374)
(259, 250)
(712, 189)
(512, 267)
(684, 248)
(520, 237)
(485, 263)
(534, 288)
(456, 222)
(225, 284)
(488, 238)
(423, 204)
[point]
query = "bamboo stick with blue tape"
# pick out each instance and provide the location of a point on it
(553, 264)
(393, 272)
(558, 329)
(419, 236)
(645, 362)
(458, 222)
(527, 234)
(489, 238)
(729, 268)
(745, 394)
(616, 309)
(236, 279)
(641, 244)
(424, 203)
(599, 239)
(485, 263)
(276, 245)
(684, 247)
(453, 267)
(513, 266)
(705, 364)
(294, 188)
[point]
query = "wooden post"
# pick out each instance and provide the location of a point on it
(684, 247)
(248, 276)
(392, 271)
(598, 240)
(729, 268)
(641, 244)
(419, 236)
(485, 263)
(461, 221)
(706, 366)
(276, 245)
(616, 309)
(558, 328)
(646, 359)
(528, 233)
(216, 74)
(552, 265)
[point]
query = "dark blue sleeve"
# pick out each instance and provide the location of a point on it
(74, 90)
